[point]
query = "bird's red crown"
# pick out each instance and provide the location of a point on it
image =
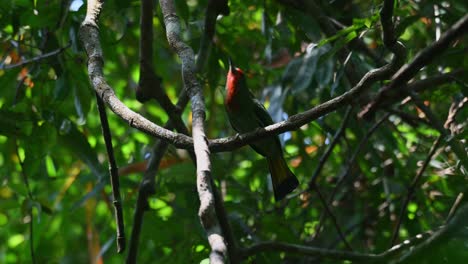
(234, 75)
(233, 85)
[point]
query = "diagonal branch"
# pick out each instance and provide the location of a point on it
(453, 111)
(89, 37)
(434, 241)
(312, 183)
(347, 169)
(89, 34)
(330, 148)
(333, 218)
(457, 147)
(412, 189)
(423, 58)
(145, 190)
(384, 98)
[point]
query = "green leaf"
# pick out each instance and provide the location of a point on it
(82, 103)
(62, 87)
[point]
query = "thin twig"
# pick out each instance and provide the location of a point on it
(412, 120)
(412, 245)
(418, 240)
(335, 254)
(36, 59)
(433, 242)
(453, 111)
(114, 176)
(305, 251)
(145, 190)
(28, 188)
(454, 207)
(359, 45)
(334, 220)
(30, 203)
(323, 159)
(457, 147)
(326, 155)
(429, 84)
(412, 189)
(347, 168)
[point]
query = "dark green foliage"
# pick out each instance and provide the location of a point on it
(50, 133)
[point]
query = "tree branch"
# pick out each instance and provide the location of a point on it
(146, 79)
(326, 155)
(333, 218)
(214, 8)
(423, 58)
(413, 246)
(453, 111)
(36, 59)
(30, 204)
(304, 250)
(412, 189)
(145, 190)
(89, 33)
(433, 242)
(336, 254)
(312, 183)
(149, 85)
(385, 98)
(89, 36)
(207, 212)
(114, 176)
(457, 148)
(347, 168)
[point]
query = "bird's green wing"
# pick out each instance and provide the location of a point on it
(233, 124)
(264, 119)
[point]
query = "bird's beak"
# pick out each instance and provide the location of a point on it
(231, 65)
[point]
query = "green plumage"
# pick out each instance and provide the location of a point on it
(245, 114)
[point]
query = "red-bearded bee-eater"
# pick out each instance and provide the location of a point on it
(246, 114)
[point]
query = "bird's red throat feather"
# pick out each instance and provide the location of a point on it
(233, 87)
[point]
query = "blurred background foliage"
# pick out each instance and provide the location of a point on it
(53, 166)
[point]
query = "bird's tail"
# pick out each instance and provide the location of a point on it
(284, 181)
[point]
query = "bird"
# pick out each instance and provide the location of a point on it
(246, 114)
